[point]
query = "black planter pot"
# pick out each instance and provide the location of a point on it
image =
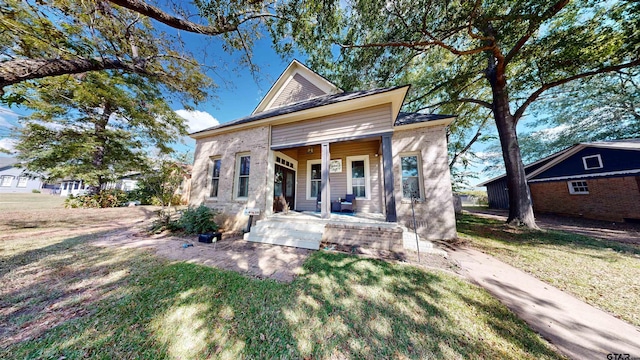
(208, 238)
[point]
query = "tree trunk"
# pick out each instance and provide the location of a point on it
(99, 128)
(520, 204)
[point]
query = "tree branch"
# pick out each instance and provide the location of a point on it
(475, 101)
(222, 26)
(153, 12)
(17, 70)
(419, 44)
(471, 142)
(534, 25)
(518, 114)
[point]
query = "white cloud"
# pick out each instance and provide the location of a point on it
(4, 123)
(8, 144)
(6, 114)
(197, 120)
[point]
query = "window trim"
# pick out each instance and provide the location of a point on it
(597, 156)
(420, 176)
(236, 176)
(11, 177)
(309, 164)
(367, 176)
(212, 161)
(573, 191)
(26, 181)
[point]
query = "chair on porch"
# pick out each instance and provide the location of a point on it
(319, 202)
(347, 202)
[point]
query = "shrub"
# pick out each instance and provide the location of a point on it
(198, 220)
(35, 191)
(103, 199)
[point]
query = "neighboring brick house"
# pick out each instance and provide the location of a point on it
(598, 180)
(309, 144)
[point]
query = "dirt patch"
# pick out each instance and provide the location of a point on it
(232, 253)
(606, 230)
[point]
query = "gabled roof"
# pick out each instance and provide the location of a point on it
(303, 105)
(7, 162)
(294, 68)
(628, 144)
(541, 165)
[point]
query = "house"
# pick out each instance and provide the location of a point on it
(308, 146)
(15, 179)
(597, 180)
(78, 187)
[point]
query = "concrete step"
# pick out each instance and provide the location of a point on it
(308, 243)
(296, 226)
(285, 233)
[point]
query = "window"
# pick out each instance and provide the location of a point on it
(6, 180)
(592, 162)
(215, 177)
(578, 187)
(314, 169)
(243, 164)
(358, 176)
(411, 184)
(76, 185)
(22, 181)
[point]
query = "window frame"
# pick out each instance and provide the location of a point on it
(420, 176)
(367, 176)
(597, 156)
(309, 164)
(236, 176)
(212, 163)
(22, 178)
(572, 188)
(2, 184)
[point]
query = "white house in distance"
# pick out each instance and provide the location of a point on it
(16, 179)
(312, 148)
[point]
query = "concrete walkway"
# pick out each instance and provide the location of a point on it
(577, 329)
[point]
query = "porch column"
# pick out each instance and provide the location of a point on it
(387, 168)
(325, 208)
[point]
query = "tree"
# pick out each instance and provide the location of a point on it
(500, 55)
(96, 128)
(605, 107)
(41, 39)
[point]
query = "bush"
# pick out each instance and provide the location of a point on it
(103, 199)
(198, 220)
(35, 191)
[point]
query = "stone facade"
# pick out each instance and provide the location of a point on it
(435, 216)
(613, 199)
(227, 147)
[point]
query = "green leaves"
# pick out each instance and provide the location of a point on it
(96, 128)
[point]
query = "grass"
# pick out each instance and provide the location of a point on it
(64, 298)
(603, 273)
(30, 201)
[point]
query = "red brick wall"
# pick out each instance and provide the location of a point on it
(610, 199)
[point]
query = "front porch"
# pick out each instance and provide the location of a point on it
(318, 178)
(309, 229)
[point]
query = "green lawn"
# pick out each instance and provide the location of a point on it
(67, 299)
(603, 273)
(30, 201)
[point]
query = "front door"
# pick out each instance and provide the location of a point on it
(284, 189)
